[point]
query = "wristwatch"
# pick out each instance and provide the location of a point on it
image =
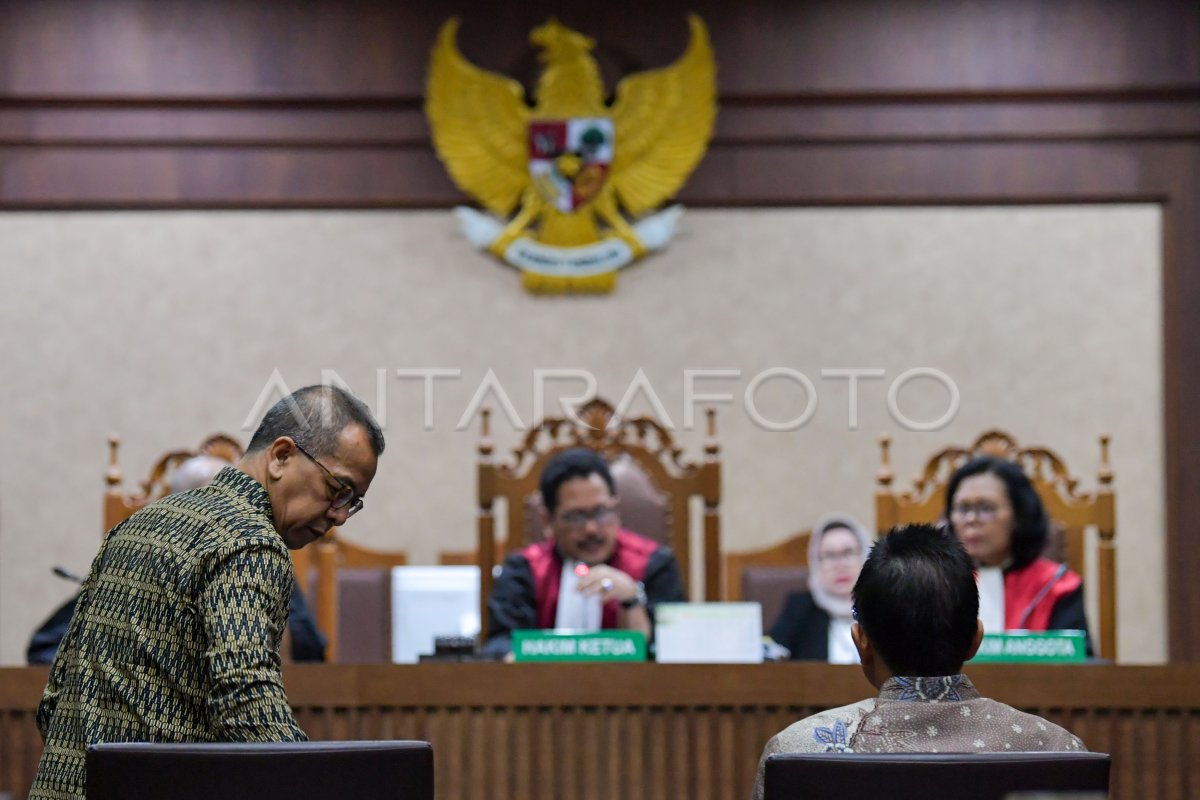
(637, 600)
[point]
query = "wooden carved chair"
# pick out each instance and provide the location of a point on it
(1072, 511)
(768, 575)
(655, 485)
(119, 505)
(344, 579)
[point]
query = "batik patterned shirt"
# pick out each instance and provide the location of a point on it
(920, 715)
(175, 637)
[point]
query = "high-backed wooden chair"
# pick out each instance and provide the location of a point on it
(655, 485)
(791, 553)
(1071, 510)
(119, 505)
(767, 576)
(330, 572)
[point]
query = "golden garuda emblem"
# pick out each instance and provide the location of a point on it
(575, 188)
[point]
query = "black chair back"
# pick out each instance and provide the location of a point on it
(920, 776)
(274, 771)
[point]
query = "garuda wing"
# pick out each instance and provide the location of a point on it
(479, 122)
(663, 120)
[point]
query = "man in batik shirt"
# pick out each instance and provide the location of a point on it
(916, 623)
(176, 633)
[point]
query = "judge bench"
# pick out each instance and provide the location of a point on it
(595, 731)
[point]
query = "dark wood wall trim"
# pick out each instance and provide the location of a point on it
(115, 156)
(285, 122)
(174, 105)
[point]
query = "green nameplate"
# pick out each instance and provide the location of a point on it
(531, 645)
(1029, 647)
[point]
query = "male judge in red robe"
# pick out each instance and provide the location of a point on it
(590, 573)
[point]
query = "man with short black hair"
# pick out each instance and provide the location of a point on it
(589, 573)
(917, 622)
(176, 634)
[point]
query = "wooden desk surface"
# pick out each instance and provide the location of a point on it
(594, 731)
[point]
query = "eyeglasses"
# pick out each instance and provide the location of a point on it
(581, 517)
(343, 495)
(849, 554)
(983, 511)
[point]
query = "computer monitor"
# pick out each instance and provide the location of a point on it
(428, 602)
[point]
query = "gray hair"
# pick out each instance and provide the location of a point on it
(314, 417)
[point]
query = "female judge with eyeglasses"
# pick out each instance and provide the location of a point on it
(994, 510)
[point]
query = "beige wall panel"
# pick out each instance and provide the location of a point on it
(165, 327)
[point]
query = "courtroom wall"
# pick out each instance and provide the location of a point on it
(173, 104)
(167, 326)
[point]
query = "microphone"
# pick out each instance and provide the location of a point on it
(66, 574)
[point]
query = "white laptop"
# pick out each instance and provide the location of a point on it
(708, 633)
(428, 602)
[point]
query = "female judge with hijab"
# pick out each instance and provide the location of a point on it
(815, 624)
(997, 515)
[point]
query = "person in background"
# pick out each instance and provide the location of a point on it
(815, 624)
(194, 473)
(176, 634)
(994, 510)
(586, 555)
(916, 623)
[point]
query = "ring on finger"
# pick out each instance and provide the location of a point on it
(606, 584)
